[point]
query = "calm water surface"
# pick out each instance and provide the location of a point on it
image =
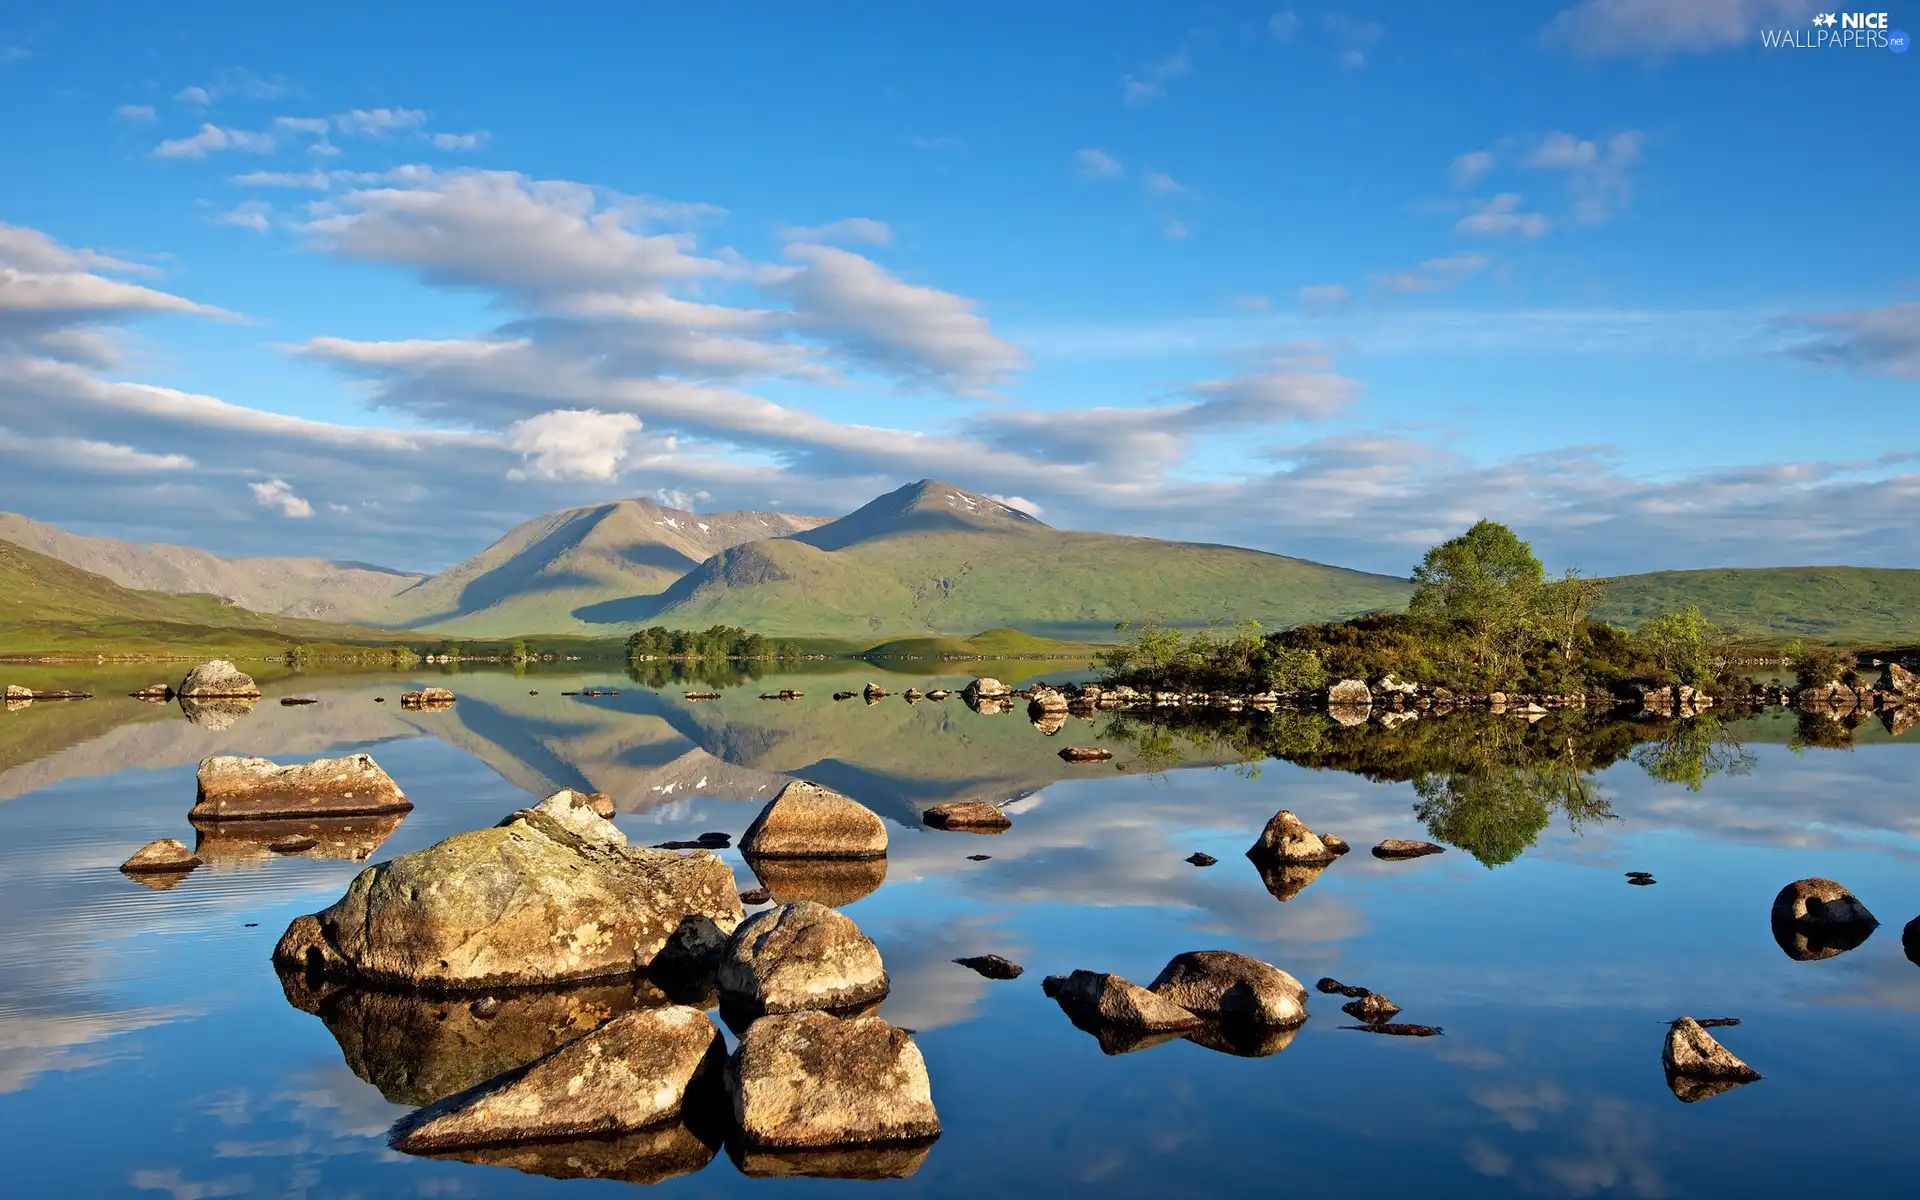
(147, 1046)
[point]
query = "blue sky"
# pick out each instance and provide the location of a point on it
(1330, 280)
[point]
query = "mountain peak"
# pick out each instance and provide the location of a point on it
(926, 506)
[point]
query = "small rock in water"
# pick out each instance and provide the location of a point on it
(1400, 848)
(1639, 874)
(1397, 1029)
(1333, 987)
(292, 701)
(1286, 838)
(531, 692)
(1200, 859)
(1085, 754)
(978, 857)
(1642, 881)
(992, 966)
(1373, 1008)
(485, 1008)
(845, 695)
(379, 699)
(1910, 941)
(1335, 844)
(756, 896)
(166, 855)
(1698, 1066)
(971, 816)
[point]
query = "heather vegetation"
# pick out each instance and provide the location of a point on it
(1484, 617)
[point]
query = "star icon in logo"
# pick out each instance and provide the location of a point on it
(1826, 19)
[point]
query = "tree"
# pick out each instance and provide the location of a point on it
(1565, 605)
(1487, 582)
(1682, 642)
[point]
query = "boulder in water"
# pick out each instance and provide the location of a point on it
(811, 1080)
(168, 856)
(1395, 849)
(992, 966)
(1698, 1066)
(973, 816)
(1287, 839)
(799, 956)
(1094, 999)
(631, 1073)
(809, 821)
(217, 679)
(428, 698)
(551, 894)
(1349, 693)
(1820, 902)
(1085, 754)
(255, 789)
(1226, 986)
(1372, 1008)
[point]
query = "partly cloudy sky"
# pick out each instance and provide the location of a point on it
(1333, 281)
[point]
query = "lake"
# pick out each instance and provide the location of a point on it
(147, 1047)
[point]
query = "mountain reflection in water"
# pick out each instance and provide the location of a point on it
(155, 1013)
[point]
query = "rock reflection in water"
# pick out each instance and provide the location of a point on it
(1245, 1040)
(893, 1160)
(418, 1048)
(1285, 880)
(1807, 942)
(1691, 1089)
(834, 882)
(216, 714)
(652, 1155)
(250, 843)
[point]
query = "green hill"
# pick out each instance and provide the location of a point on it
(1849, 605)
(933, 559)
(994, 643)
(48, 606)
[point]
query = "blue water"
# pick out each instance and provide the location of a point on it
(146, 1047)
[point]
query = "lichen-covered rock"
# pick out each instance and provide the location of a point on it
(218, 678)
(1227, 986)
(975, 816)
(166, 856)
(1819, 902)
(551, 894)
(255, 789)
(1399, 848)
(1287, 839)
(809, 821)
(628, 1074)
(1694, 1053)
(1349, 693)
(1096, 998)
(800, 956)
(810, 1080)
(1900, 681)
(1047, 699)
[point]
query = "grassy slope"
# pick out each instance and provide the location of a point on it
(994, 643)
(48, 606)
(1856, 605)
(956, 582)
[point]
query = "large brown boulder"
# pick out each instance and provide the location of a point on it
(1819, 902)
(811, 1080)
(551, 894)
(800, 956)
(218, 678)
(254, 789)
(1226, 986)
(628, 1074)
(1287, 839)
(809, 821)
(1698, 1066)
(974, 816)
(1095, 998)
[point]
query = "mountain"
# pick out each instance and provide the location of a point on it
(297, 587)
(1849, 605)
(539, 577)
(934, 558)
(50, 605)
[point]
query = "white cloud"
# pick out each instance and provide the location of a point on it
(317, 126)
(1877, 341)
(1097, 164)
(1019, 502)
(1597, 174)
(1661, 27)
(1324, 295)
(83, 454)
(1355, 37)
(193, 95)
(134, 112)
(571, 444)
(1470, 166)
(213, 138)
(1281, 26)
(1501, 217)
(477, 140)
(377, 122)
(1435, 274)
(253, 214)
(278, 494)
(850, 229)
(918, 333)
(1149, 83)
(1159, 183)
(317, 180)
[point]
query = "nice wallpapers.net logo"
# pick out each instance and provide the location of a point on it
(1840, 31)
